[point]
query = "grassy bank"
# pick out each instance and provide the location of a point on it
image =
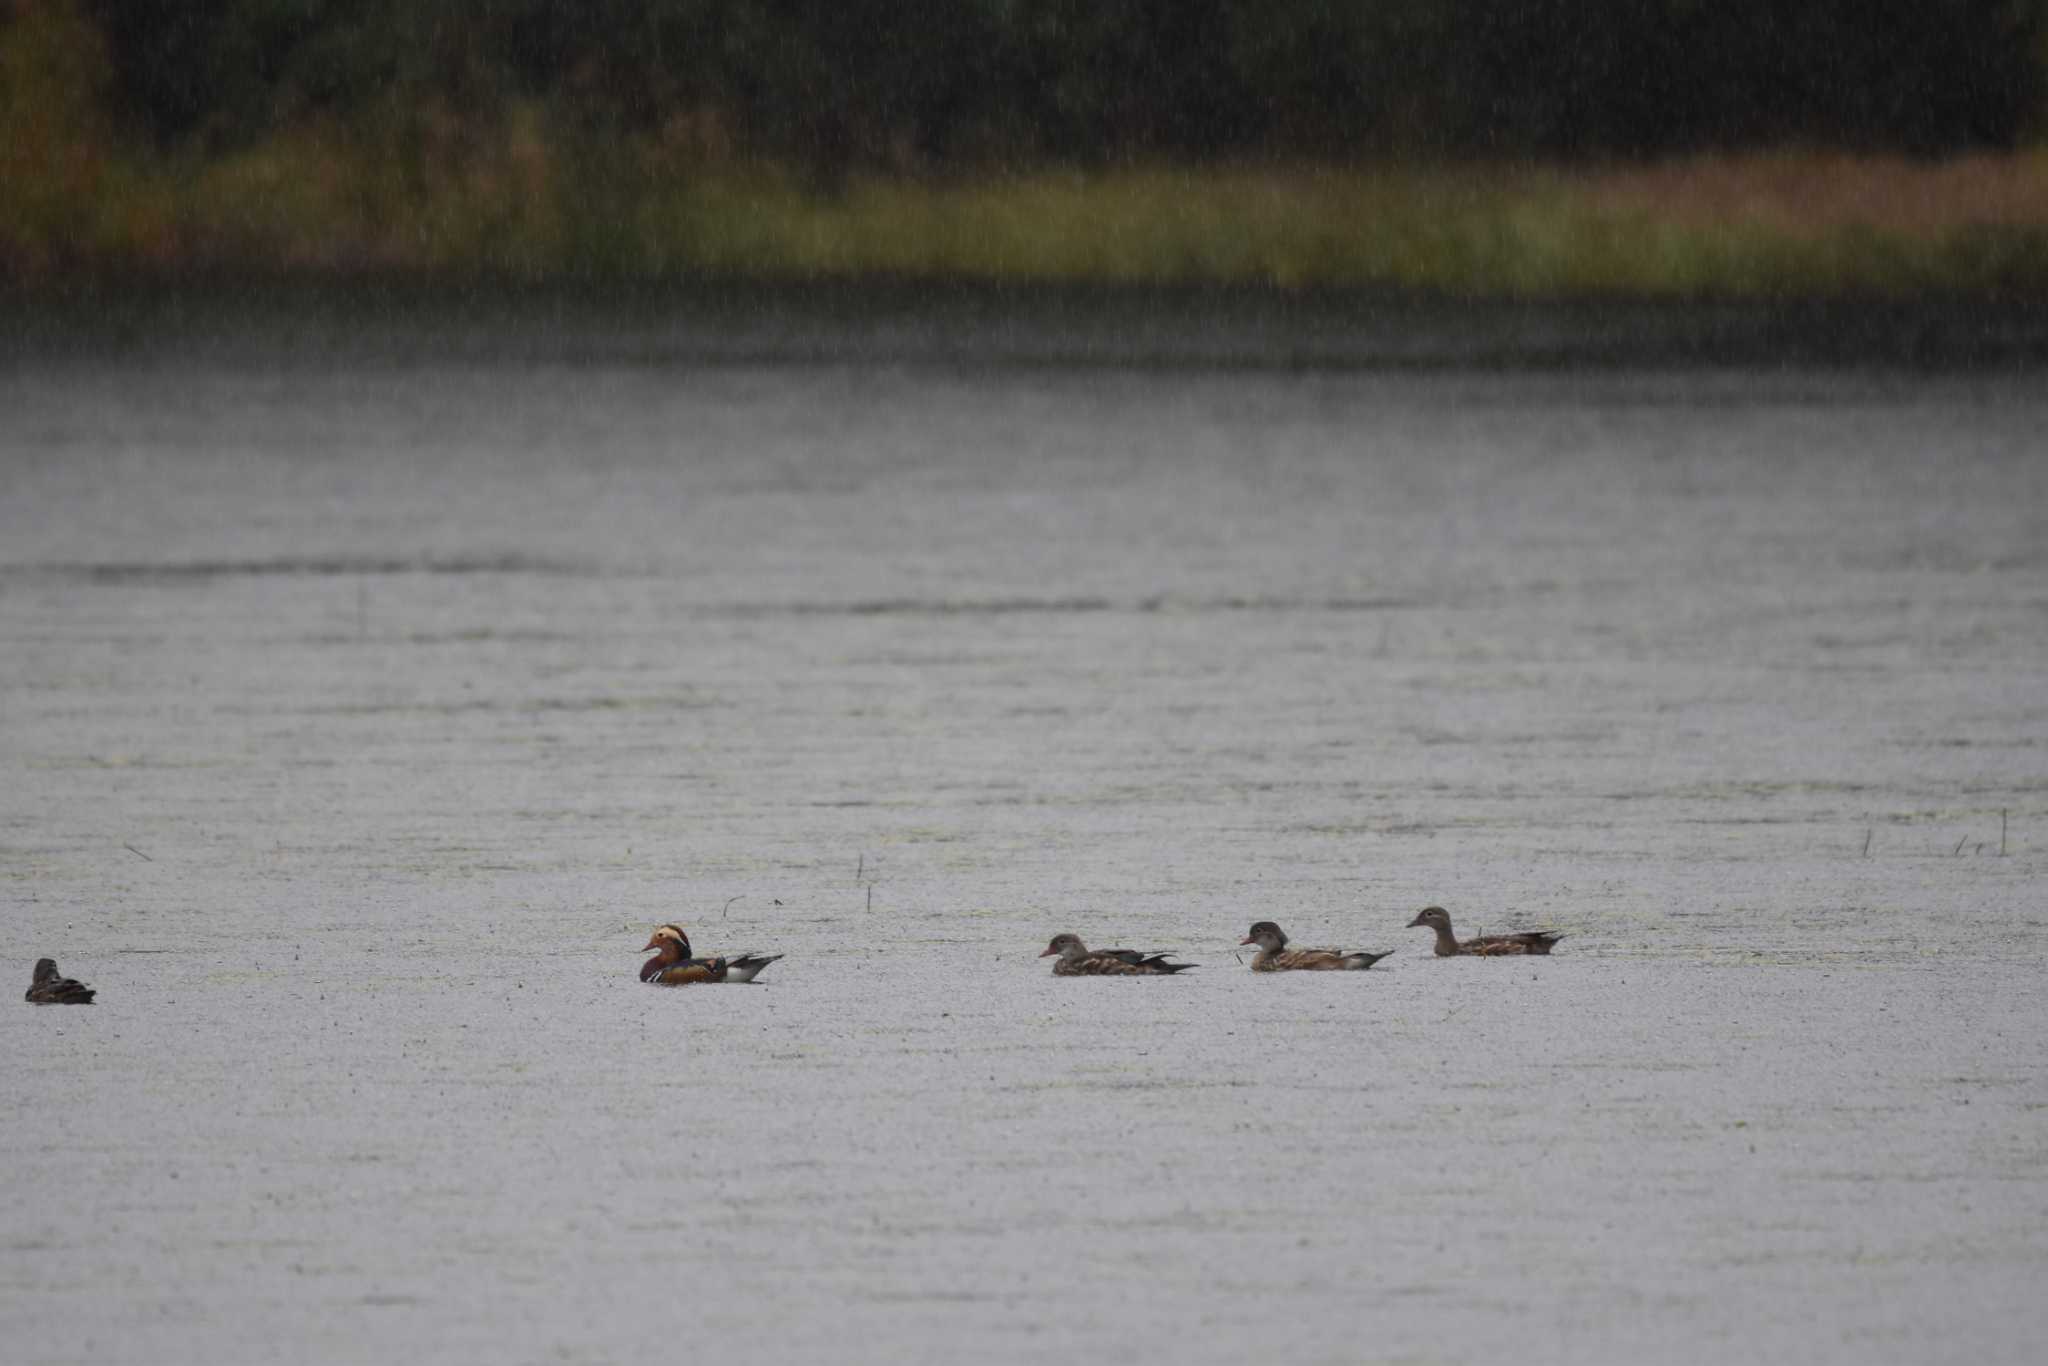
(527, 191)
(516, 195)
(1759, 226)
(318, 203)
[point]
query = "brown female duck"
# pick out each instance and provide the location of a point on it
(1488, 945)
(1275, 956)
(48, 989)
(672, 965)
(1075, 959)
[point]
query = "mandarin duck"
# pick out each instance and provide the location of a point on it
(1275, 956)
(1486, 945)
(673, 966)
(48, 989)
(1075, 959)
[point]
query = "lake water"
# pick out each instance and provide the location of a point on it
(375, 680)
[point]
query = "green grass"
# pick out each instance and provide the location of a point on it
(514, 194)
(514, 202)
(1494, 232)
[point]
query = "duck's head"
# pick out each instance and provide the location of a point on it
(1266, 935)
(1066, 946)
(1432, 917)
(668, 937)
(46, 968)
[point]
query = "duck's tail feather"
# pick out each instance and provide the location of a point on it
(747, 966)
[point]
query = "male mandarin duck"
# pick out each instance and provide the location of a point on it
(1075, 959)
(1275, 956)
(48, 989)
(1487, 945)
(672, 965)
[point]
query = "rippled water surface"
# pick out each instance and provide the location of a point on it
(362, 706)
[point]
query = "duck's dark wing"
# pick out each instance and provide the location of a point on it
(1148, 962)
(1304, 960)
(685, 972)
(56, 991)
(1321, 960)
(1119, 965)
(1496, 945)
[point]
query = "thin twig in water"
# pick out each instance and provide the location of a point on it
(2001, 833)
(871, 896)
(1866, 841)
(1959, 846)
(138, 853)
(861, 870)
(728, 904)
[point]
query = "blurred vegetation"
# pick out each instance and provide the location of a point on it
(1465, 146)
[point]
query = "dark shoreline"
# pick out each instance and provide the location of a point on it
(398, 320)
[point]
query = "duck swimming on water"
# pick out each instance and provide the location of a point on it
(673, 966)
(1486, 945)
(1075, 959)
(48, 989)
(1275, 956)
